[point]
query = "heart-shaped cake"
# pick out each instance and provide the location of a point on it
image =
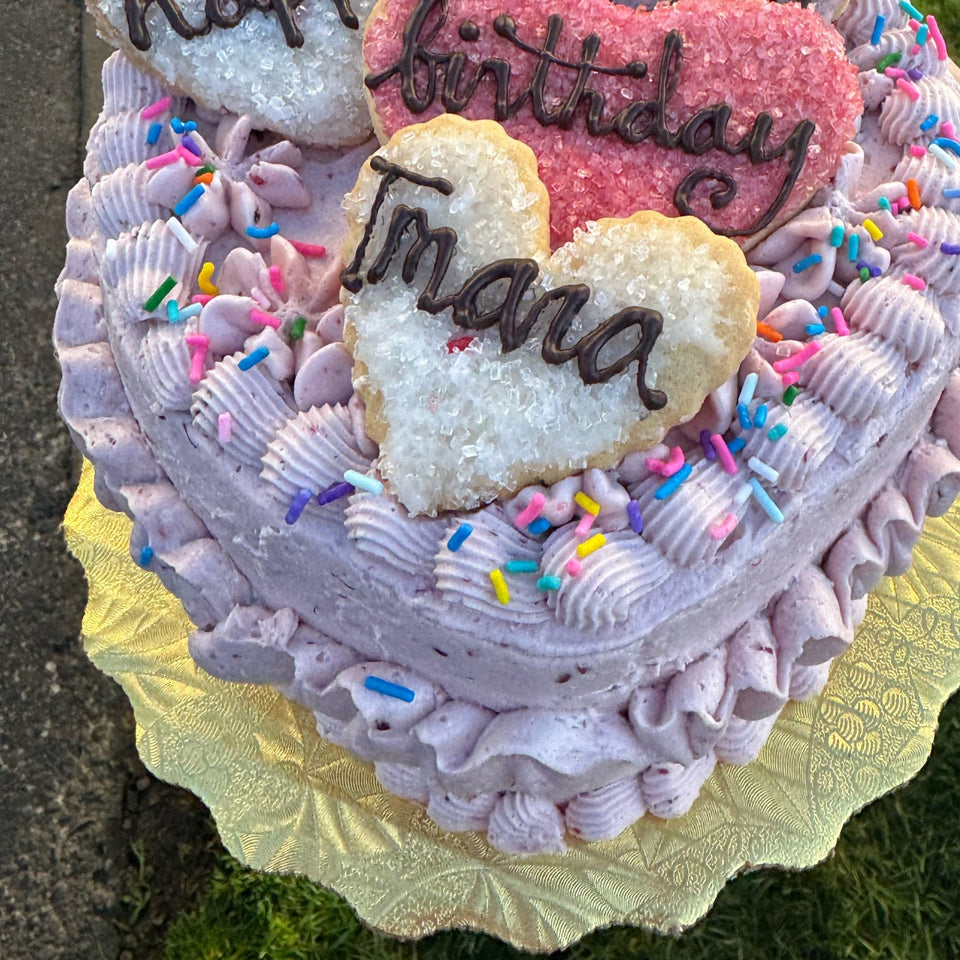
(570, 360)
(731, 112)
(558, 661)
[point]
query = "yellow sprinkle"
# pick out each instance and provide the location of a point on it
(591, 545)
(872, 229)
(500, 586)
(591, 506)
(206, 272)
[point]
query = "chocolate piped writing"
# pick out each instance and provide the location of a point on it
(562, 303)
(419, 70)
(223, 14)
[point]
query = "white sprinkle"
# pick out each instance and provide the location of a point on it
(836, 289)
(743, 494)
(942, 155)
(749, 386)
(764, 469)
(225, 427)
(362, 482)
(180, 232)
(111, 251)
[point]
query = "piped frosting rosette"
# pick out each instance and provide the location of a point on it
(809, 477)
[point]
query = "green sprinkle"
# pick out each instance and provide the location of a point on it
(888, 60)
(209, 168)
(548, 583)
(520, 566)
(155, 298)
(864, 274)
(790, 394)
(775, 433)
(299, 325)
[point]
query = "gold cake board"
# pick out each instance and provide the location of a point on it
(288, 802)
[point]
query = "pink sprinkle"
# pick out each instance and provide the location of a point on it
(163, 160)
(309, 249)
(574, 566)
(199, 340)
(586, 522)
(723, 453)
(921, 242)
(915, 49)
(258, 316)
(790, 378)
(895, 72)
(225, 427)
(909, 89)
(917, 151)
(912, 280)
(155, 109)
(948, 130)
(666, 468)
(197, 363)
(797, 359)
(937, 37)
(191, 158)
(914, 24)
(903, 204)
(276, 280)
(839, 322)
(257, 294)
(202, 298)
(723, 530)
(531, 511)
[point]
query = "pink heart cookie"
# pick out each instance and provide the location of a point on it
(732, 112)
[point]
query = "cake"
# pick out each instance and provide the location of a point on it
(545, 659)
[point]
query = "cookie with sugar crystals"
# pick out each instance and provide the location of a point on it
(496, 364)
(291, 66)
(732, 112)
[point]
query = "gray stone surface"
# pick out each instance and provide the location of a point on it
(95, 855)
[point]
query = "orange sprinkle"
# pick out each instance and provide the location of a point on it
(913, 194)
(768, 333)
(204, 178)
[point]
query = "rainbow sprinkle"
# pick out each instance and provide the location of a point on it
(388, 689)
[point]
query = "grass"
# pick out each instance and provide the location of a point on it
(889, 891)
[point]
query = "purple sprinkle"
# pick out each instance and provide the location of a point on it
(708, 449)
(636, 519)
(915, 73)
(950, 248)
(191, 145)
(334, 492)
(297, 505)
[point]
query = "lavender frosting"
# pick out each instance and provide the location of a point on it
(571, 712)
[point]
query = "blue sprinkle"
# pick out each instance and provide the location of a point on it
(910, 9)
(807, 262)
(763, 498)
(736, 444)
(931, 121)
(458, 536)
(822, 312)
(760, 417)
(263, 233)
(189, 200)
(191, 145)
(836, 235)
(951, 193)
(884, 204)
(252, 359)
(953, 249)
(923, 33)
(673, 483)
(388, 689)
(362, 482)
(775, 433)
(334, 492)
(947, 144)
(548, 583)
(853, 247)
(708, 449)
(297, 505)
(743, 414)
(153, 134)
(814, 329)
(180, 127)
(878, 26)
(146, 555)
(634, 515)
(520, 566)
(540, 525)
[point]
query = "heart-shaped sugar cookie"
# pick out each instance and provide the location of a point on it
(486, 363)
(734, 112)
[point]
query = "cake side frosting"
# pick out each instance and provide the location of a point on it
(456, 754)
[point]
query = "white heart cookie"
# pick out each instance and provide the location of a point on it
(485, 362)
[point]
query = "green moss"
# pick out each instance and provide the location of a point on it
(889, 891)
